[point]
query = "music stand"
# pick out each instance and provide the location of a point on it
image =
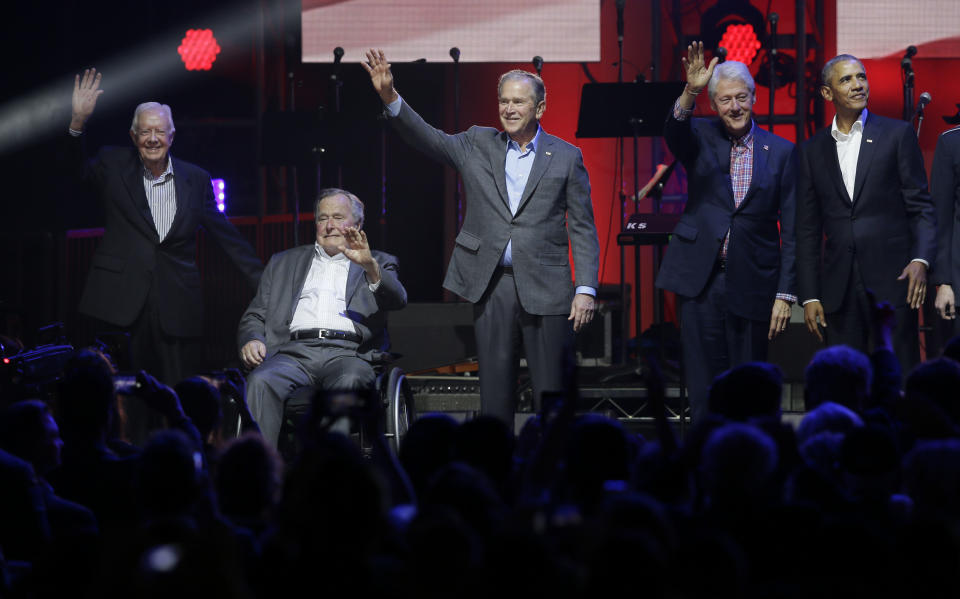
(628, 110)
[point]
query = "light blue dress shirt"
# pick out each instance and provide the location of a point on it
(517, 170)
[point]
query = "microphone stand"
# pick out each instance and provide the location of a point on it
(773, 18)
(624, 294)
(920, 109)
(337, 84)
(292, 178)
(906, 64)
(458, 194)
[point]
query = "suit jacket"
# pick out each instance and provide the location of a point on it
(760, 255)
(945, 188)
(890, 221)
(555, 212)
(270, 312)
(131, 258)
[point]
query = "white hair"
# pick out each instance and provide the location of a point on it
(152, 107)
(730, 69)
(356, 206)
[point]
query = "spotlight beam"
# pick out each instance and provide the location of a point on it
(44, 111)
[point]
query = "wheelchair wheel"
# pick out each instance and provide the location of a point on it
(398, 402)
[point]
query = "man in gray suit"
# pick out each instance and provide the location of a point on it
(528, 201)
(319, 313)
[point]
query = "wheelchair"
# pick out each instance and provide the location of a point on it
(391, 394)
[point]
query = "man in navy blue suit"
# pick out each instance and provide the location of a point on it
(864, 189)
(945, 188)
(728, 261)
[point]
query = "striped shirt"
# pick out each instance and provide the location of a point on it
(323, 300)
(741, 173)
(162, 197)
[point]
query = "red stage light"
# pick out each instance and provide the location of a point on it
(198, 50)
(741, 43)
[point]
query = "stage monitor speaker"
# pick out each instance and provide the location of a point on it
(428, 335)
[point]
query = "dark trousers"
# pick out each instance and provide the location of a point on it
(329, 364)
(499, 320)
(715, 340)
(145, 346)
(850, 325)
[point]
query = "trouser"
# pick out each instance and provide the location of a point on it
(499, 320)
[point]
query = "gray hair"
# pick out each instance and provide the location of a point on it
(828, 68)
(728, 70)
(356, 206)
(539, 89)
(151, 107)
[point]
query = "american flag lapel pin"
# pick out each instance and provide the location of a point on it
(766, 147)
(549, 153)
(869, 141)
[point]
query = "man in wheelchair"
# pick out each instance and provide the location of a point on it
(319, 316)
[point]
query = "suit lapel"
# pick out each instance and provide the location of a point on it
(541, 160)
(720, 146)
(827, 150)
(498, 161)
(865, 157)
(182, 187)
(300, 276)
(761, 152)
(354, 275)
(133, 181)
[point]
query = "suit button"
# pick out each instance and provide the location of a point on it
(852, 218)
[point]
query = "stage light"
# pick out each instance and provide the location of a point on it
(220, 193)
(734, 25)
(198, 49)
(741, 43)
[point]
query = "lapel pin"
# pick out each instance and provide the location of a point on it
(869, 141)
(766, 147)
(549, 153)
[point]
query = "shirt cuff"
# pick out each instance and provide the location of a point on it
(74, 132)
(922, 261)
(787, 297)
(679, 112)
(805, 302)
(374, 286)
(393, 108)
(587, 290)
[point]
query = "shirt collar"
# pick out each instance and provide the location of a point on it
(323, 255)
(166, 172)
(857, 127)
(531, 145)
(747, 138)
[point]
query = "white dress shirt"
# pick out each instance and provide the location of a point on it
(323, 299)
(848, 150)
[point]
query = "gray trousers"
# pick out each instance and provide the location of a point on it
(498, 321)
(329, 364)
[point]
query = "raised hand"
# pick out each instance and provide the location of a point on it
(380, 75)
(357, 250)
(698, 72)
(85, 94)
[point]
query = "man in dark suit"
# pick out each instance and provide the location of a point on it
(528, 201)
(144, 278)
(320, 311)
(945, 187)
(729, 263)
(863, 188)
